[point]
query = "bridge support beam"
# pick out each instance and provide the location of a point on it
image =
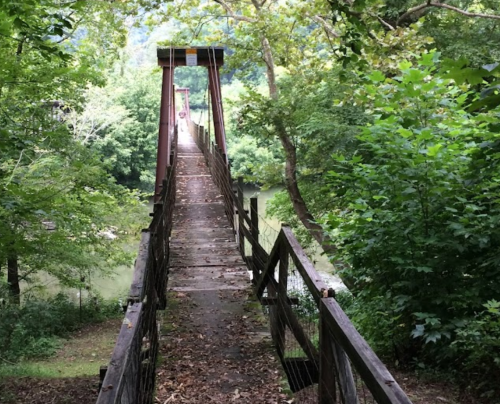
(168, 59)
(167, 123)
(217, 111)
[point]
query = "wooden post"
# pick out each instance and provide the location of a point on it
(241, 237)
(102, 375)
(257, 266)
(348, 393)
(327, 392)
(273, 310)
(282, 298)
(343, 371)
(207, 146)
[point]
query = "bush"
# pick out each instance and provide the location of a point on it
(477, 344)
(418, 220)
(33, 330)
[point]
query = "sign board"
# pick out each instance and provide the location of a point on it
(191, 57)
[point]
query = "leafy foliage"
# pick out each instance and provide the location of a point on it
(255, 163)
(125, 132)
(417, 210)
(477, 344)
(34, 330)
(56, 196)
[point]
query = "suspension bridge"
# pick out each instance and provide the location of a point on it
(264, 338)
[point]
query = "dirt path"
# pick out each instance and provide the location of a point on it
(216, 348)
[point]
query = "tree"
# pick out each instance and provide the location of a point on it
(417, 210)
(50, 53)
(298, 38)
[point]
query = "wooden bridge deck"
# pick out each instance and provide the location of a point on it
(215, 348)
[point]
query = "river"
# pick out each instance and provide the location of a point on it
(118, 284)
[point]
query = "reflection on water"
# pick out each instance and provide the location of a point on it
(111, 286)
(269, 228)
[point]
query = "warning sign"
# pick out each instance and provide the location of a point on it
(191, 57)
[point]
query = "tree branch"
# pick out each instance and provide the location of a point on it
(429, 4)
(327, 27)
(466, 13)
(230, 11)
(384, 23)
(256, 4)
(70, 34)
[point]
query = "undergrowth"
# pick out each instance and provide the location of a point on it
(34, 329)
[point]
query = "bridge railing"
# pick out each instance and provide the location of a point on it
(320, 349)
(130, 376)
(218, 165)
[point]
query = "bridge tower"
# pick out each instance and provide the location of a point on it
(168, 59)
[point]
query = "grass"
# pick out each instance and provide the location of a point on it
(81, 355)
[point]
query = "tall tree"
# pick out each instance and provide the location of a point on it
(55, 193)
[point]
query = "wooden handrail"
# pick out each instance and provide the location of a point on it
(133, 360)
(317, 287)
(112, 385)
(373, 372)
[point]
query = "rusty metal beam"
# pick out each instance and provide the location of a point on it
(217, 111)
(166, 127)
(204, 55)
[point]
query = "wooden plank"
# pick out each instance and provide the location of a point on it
(239, 206)
(136, 293)
(270, 301)
(327, 392)
(313, 280)
(258, 251)
(113, 383)
(377, 378)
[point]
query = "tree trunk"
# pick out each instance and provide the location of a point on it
(13, 280)
(298, 203)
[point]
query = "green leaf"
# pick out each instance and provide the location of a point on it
(405, 132)
(409, 190)
(405, 65)
(434, 150)
(376, 76)
(424, 269)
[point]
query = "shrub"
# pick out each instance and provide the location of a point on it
(477, 344)
(33, 330)
(418, 218)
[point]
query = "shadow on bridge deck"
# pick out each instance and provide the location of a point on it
(217, 348)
